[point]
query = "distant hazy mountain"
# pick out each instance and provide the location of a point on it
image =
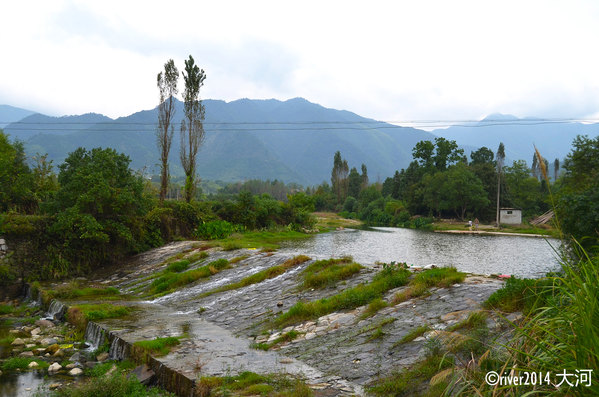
(10, 114)
(294, 140)
(552, 138)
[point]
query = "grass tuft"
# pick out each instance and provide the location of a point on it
(328, 272)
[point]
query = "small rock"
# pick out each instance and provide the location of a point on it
(29, 345)
(102, 357)
(58, 353)
(18, 342)
(36, 331)
(310, 335)
(26, 354)
(279, 304)
(286, 361)
(38, 351)
(48, 341)
(45, 323)
(14, 331)
(75, 357)
(54, 386)
(55, 367)
(27, 329)
(75, 372)
(35, 337)
(91, 364)
(33, 364)
(71, 366)
(52, 348)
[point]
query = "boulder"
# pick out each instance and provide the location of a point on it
(54, 367)
(144, 374)
(52, 348)
(76, 372)
(18, 342)
(102, 356)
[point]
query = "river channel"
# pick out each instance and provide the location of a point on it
(480, 254)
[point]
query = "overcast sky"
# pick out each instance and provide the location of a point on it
(389, 60)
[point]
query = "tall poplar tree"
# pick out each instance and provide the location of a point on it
(167, 85)
(192, 128)
(500, 157)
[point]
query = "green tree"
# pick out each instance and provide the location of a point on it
(99, 206)
(16, 178)
(354, 183)
(463, 191)
(339, 176)
(578, 199)
(484, 155)
(446, 153)
(500, 156)
(192, 127)
(423, 153)
(167, 86)
(524, 190)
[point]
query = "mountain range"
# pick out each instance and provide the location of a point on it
(292, 140)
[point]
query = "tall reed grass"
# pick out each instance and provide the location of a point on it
(559, 335)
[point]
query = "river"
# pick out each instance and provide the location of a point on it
(479, 254)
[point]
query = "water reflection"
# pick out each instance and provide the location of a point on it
(521, 256)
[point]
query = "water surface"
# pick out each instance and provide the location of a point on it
(480, 254)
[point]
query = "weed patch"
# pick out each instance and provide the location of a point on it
(158, 346)
(250, 383)
(413, 334)
(388, 278)
(324, 273)
(170, 281)
(255, 278)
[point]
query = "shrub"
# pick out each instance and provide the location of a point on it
(214, 230)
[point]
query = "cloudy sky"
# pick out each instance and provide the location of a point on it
(389, 60)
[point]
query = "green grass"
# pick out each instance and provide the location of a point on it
(520, 295)
(413, 334)
(373, 307)
(178, 266)
(158, 346)
(74, 290)
(412, 381)
(260, 276)
(259, 239)
(21, 363)
(79, 315)
(170, 281)
(474, 320)
(348, 299)
(117, 385)
(250, 383)
(328, 272)
(421, 282)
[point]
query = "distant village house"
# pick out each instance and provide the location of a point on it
(510, 216)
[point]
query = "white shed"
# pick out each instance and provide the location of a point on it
(510, 216)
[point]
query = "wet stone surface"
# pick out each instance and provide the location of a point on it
(338, 354)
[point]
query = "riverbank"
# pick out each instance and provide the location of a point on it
(453, 226)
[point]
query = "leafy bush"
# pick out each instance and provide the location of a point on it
(214, 230)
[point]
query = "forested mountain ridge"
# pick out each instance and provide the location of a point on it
(292, 140)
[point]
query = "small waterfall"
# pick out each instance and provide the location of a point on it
(119, 349)
(94, 335)
(33, 301)
(56, 311)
